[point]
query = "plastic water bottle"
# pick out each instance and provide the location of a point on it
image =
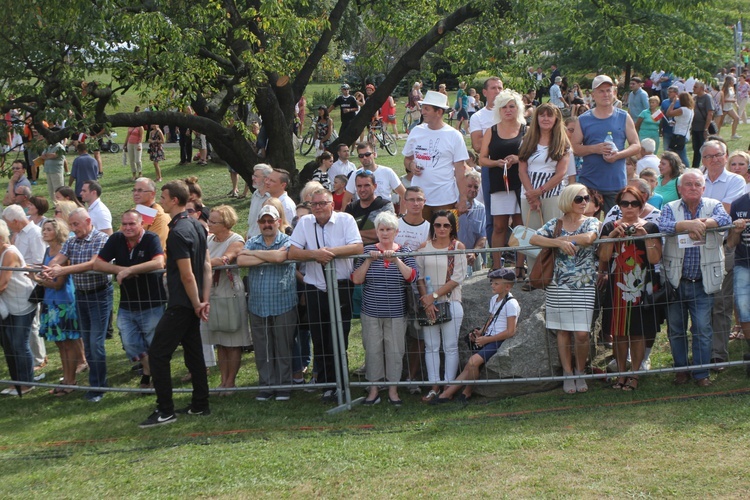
(611, 141)
(428, 285)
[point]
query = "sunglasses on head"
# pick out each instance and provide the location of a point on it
(581, 199)
(634, 204)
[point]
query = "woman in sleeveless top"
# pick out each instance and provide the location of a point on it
(223, 246)
(499, 153)
(134, 147)
(17, 315)
(729, 101)
(156, 149)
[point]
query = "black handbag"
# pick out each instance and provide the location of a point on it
(677, 143)
(443, 314)
(661, 297)
(37, 294)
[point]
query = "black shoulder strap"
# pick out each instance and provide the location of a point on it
(493, 317)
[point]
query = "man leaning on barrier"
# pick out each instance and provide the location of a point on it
(694, 266)
(131, 255)
(321, 237)
(272, 302)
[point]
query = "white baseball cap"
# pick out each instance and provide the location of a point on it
(269, 210)
(600, 80)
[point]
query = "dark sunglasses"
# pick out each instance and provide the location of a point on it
(581, 199)
(438, 225)
(363, 155)
(634, 204)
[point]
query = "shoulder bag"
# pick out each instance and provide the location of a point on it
(521, 235)
(544, 267)
(226, 314)
(443, 314)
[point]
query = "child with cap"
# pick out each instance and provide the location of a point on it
(501, 325)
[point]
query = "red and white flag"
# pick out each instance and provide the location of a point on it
(657, 115)
(148, 213)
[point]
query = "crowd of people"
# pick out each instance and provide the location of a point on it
(415, 238)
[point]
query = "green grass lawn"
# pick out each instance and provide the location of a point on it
(659, 441)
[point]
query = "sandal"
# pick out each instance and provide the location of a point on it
(620, 384)
(569, 386)
(430, 396)
(736, 333)
(581, 385)
(521, 276)
(631, 384)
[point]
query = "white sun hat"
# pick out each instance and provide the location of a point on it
(433, 98)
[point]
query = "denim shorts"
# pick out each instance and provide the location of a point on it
(489, 350)
(137, 330)
(742, 292)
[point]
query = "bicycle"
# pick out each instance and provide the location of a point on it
(308, 141)
(410, 119)
(385, 138)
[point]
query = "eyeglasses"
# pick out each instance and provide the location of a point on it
(581, 199)
(363, 155)
(138, 190)
(19, 194)
(438, 225)
(627, 204)
(190, 210)
(320, 204)
(713, 157)
(214, 221)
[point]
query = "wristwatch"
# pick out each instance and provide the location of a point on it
(435, 295)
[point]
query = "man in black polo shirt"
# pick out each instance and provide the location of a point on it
(189, 285)
(367, 207)
(131, 255)
(348, 105)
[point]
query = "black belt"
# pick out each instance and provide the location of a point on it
(98, 289)
(696, 280)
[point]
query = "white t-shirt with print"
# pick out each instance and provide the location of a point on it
(386, 179)
(435, 152)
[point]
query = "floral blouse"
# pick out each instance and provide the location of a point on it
(576, 271)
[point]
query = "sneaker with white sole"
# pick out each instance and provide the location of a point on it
(283, 395)
(188, 410)
(264, 396)
(158, 418)
(735, 136)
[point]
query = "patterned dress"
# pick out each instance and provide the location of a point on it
(156, 149)
(59, 320)
(631, 277)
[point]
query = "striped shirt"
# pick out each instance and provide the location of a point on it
(384, 291)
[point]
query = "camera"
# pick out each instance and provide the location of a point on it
(630, 230)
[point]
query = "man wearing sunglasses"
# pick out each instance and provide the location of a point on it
(385, 178)
(436, 153)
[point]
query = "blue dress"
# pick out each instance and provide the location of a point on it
(59, 320)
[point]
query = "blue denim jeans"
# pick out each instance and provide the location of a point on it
(93, 317)
(301, 352)
(137, 330)
(487, 195)
(14, 338)
(691, 299)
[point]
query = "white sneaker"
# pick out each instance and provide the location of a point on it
(735, 136)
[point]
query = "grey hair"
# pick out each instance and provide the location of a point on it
(25, 191)
(4, 232)
(386, 219)
(81, 212)
(693, 172)
(263, 168)
(474, 175)
(648, 145)
(14, 213)
(148, 181)
(716, 144)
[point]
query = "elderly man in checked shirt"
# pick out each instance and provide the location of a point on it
(694, 266)
(272, 302)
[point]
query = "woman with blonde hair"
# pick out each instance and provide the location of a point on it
(499, 153)
(224, 246)
(729, 101)
(544, 159)
(59, 318)
(569, 299)
(738, 163)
